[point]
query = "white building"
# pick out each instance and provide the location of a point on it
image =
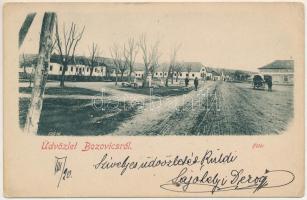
(281, 71)
(80, 70)
(188, 69)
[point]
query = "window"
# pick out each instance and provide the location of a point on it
(95, 69)
(180, 74)
(87, 69)
(50, 67)
(72, 69)
(83, 69)
(286, 78)
(61, 68)
(160, 74)
(203, 69)
(175, 74)
(193, 75)
(77, 69)
(156, 74)
(187, 74)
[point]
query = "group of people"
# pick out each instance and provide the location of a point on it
(186, 80)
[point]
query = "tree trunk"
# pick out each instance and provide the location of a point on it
(177, 77)
(91, 71)
(115, 78)
(166, 82)
(25, 27)
(40, 74)
(170, 69)
(131, 68)
(30, 81)
(63, 75)
(107, 73)
(145, 84)
(121, 76)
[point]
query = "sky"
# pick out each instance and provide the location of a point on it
(233, 36)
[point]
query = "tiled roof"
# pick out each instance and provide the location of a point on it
(279, 64)
(195, 66)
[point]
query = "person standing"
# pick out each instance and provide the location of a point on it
(270, 84)
(186, 80)
(196, 83)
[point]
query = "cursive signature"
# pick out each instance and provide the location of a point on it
(61, 169)
(235, 180)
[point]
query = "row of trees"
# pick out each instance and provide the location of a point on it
(65, 43)
(123, 56)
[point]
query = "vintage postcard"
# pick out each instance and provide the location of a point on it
(153, 99)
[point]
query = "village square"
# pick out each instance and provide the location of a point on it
(138, 88)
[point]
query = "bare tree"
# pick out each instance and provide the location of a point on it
(25, 27)
(40, 74)
(178, 69)
(155, 60)
(94, 53)
(66, 46)
(189, 69)
(130, 53)
(123, 68)
(164, 69)
(117, 58)
(24, 64)
(172, 64)
(149, 54)
(153, 68)
(102, 63)
(108, 70)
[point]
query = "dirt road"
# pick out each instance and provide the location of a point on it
(222, 108)
(217, 108)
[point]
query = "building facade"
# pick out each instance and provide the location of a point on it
(188, 69)
(80, 67)
(281, 71)
(78, 70)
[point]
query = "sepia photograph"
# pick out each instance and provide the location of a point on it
(153, 72)
(154, 99)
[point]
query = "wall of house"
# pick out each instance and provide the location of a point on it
(276, 70)
(279, 76)
(83, 70)
(56, 69)
(182, 75)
